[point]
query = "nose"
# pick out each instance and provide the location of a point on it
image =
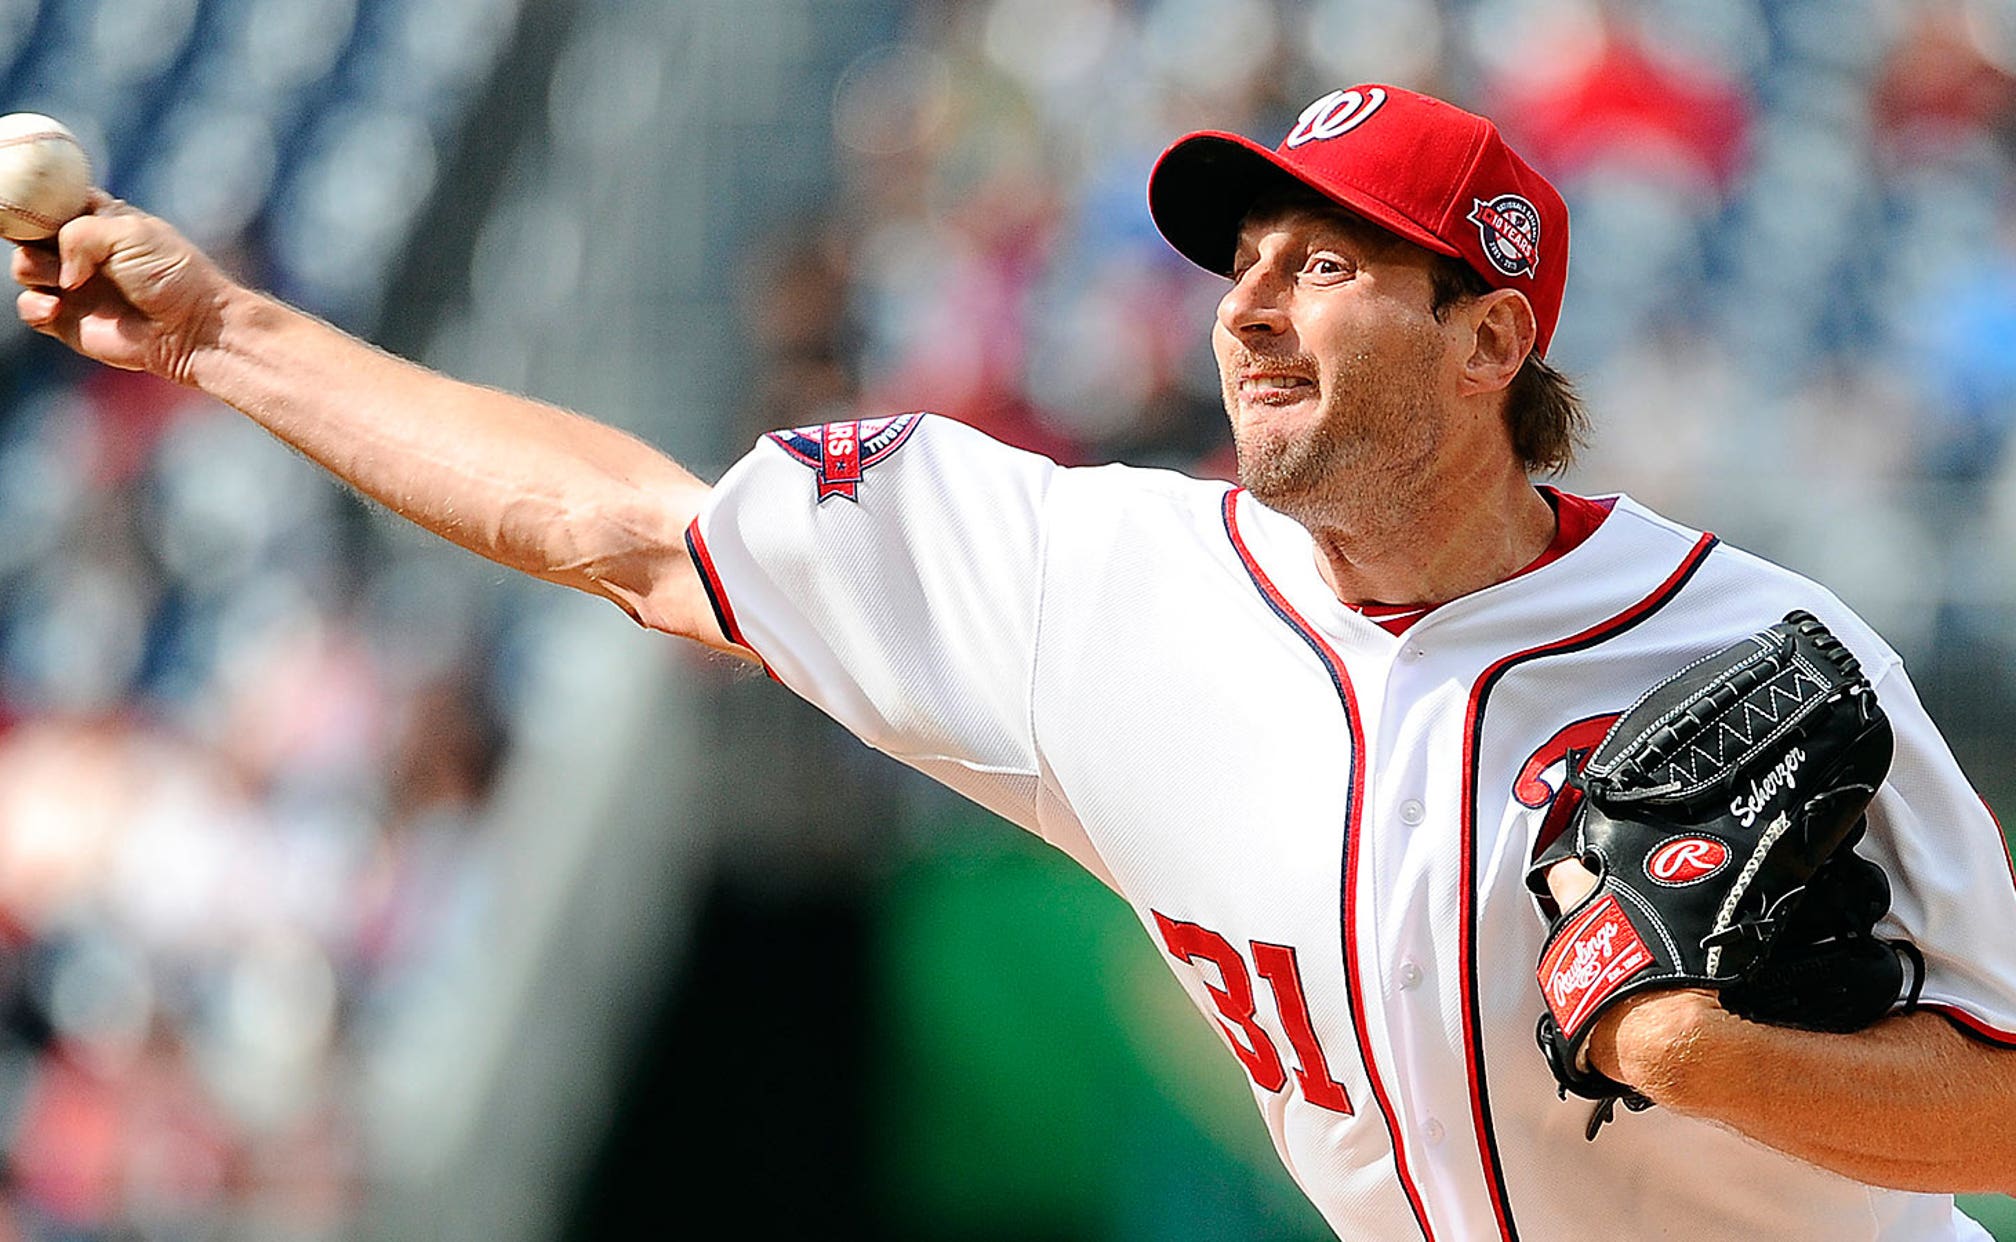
(1254, 305)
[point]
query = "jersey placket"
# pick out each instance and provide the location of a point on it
(1348, 646)
(1409, 924)
(1478, 841)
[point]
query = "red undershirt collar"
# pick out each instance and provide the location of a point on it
(1575, 519)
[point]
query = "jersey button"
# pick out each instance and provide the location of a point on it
(1410, 975)
(1412, 812)
(1434, 1132)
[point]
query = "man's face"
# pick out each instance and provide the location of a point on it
(1335, 369)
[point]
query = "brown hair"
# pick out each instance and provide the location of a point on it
(1542, 409)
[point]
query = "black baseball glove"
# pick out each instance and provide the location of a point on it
(1719, 815)
(1828, 970)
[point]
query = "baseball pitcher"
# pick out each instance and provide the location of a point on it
(1553, 870)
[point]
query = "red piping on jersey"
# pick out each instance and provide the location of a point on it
(1972, 1025)
(717, 598)
(1473, 1045)
(1353, 817)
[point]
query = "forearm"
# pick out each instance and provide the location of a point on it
(1910, 1103)
(532, 487)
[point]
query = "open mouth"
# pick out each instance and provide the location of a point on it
(1275, 388)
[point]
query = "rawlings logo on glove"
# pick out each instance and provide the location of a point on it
(1686, 860)
(1589, 960)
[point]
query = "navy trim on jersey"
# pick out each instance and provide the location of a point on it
(717, 597)
(1473, 1042)
(710, 583)
(1354, 815)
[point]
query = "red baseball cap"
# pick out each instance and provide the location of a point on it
(1427, 170)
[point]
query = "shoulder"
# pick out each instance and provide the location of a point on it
(1752, 590)
(921, 441)
(841, 451)
(923, 466)
(1108, 496)
(1160, 489)
(1144, 515)
(914, 467)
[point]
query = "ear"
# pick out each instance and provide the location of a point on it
(1503, 330)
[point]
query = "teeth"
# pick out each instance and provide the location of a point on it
(1274, 381)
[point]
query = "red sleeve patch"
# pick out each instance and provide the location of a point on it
(839, 454)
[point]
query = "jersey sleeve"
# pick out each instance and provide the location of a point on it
(1953, 886)
(888, 570)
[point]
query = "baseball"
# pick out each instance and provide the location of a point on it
(44, 176)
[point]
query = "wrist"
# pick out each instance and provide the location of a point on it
(226, 338)
(1651, 1041)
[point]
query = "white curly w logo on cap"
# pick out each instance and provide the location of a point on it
(1339, 112)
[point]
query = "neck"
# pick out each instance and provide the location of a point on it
(1448, 531)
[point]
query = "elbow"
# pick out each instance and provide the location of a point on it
(631, 551)
(679, 606)
(664, 606)
(649, 585)
(647, 571)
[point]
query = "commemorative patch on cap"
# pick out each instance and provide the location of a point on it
(840, 453)
(1509, 228)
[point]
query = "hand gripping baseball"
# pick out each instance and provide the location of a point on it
(1732, 792)
(125, 288)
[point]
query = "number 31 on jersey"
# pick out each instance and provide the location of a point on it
(1237, 1007)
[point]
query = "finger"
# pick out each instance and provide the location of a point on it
(1569, 881)
(36, 266)
(98, 201)
(37, 308)
(86, 242)
(57, 315)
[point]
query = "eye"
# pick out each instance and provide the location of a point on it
(1329, 265)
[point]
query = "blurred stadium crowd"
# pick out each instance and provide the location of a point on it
(1793, 234)
(243, 732)
(247, 731)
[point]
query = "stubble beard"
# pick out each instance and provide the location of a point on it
(1372, 432)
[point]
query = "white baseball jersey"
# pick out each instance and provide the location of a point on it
(1322, 825)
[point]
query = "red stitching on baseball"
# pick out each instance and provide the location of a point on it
(33, 217)
(39, 135)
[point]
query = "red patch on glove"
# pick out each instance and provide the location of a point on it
(1588, 962)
